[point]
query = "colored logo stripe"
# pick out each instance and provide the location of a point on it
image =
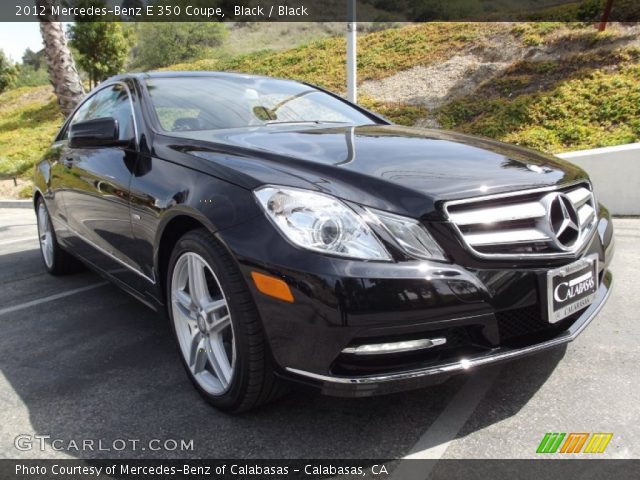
(574, 442)
(598, 442)
(550, 443)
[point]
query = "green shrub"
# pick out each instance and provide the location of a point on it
(399, 113)
(26, 192)
(31, 77)
(162, 44)
(8, 73)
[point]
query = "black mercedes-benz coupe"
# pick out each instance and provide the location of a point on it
(289, 234)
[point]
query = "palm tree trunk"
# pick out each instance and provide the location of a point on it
(60, 65)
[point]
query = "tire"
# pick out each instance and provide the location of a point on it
(56, 260)
(217, 326)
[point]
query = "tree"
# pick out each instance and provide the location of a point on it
(60, 65)
(33, 70)
(102, 47)
(33, 59)
(8, 72)
(161, 44)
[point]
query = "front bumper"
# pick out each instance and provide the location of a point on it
(380, 384)
(489, 312)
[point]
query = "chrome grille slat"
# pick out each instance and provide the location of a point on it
(521, 224)
(499, 214)
(579, 196)
(506, 237)
(586, 214)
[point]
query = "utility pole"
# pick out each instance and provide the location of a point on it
(605, 16)
(352, 66)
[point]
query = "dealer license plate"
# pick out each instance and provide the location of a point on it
(571, 288)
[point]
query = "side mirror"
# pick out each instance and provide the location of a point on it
(99, 132)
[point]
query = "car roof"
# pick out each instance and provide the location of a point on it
(184, 74)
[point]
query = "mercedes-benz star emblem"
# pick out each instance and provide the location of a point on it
(563, 220)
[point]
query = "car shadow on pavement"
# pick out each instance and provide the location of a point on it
(100, 366)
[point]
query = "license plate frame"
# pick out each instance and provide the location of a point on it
(576, 273)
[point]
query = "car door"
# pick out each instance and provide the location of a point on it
(96, 184)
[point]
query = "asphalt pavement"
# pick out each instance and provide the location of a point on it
(80, 361)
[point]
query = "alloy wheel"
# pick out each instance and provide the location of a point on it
(203, 324)
(45, 235)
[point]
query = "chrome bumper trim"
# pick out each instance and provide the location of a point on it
(465, 364)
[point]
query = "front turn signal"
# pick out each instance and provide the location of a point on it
(272, 286)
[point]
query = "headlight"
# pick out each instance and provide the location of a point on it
(321, 223)
(410, 235)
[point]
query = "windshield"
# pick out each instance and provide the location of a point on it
(212, 103)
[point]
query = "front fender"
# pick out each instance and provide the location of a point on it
(41, 180)
(167, 198)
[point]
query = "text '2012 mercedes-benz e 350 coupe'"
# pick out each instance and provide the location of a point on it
(292, 235)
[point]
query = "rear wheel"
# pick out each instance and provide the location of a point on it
(56, 260)
(217, 326)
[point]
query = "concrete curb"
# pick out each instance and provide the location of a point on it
(16, 203)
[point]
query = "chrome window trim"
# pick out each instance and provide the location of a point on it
(588, 236)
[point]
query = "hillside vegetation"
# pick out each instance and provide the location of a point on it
(29, 119)
(380, 54)
(585, 101)
(564, 85)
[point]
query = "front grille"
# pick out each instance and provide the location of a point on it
(526, 223)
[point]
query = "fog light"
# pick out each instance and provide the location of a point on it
(395, 347)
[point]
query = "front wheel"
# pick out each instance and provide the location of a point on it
(217, 326)
(56, 260)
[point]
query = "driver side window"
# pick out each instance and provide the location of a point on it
(110, 102)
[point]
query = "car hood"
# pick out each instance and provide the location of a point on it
(396, 168)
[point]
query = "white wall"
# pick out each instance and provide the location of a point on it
(615, 174)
